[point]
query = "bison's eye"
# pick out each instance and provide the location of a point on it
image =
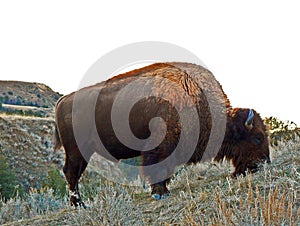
(258, 139)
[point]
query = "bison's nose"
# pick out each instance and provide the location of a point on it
(268, 160)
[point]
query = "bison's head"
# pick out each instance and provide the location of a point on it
(246, 142)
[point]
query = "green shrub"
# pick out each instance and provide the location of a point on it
(281, 130)
(55, 181)
(20, 112)
(9, 186)
(19, 100)
(6, 99)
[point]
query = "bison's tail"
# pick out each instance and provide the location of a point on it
(57, 140)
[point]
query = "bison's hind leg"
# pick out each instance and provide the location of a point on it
(74, 166)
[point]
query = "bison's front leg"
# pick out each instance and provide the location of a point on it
(160, 190)
(157, 174)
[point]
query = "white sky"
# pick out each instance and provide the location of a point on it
(253, 47)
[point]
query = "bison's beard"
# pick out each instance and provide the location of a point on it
(253, 167)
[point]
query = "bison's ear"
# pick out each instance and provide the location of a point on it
(249, 120)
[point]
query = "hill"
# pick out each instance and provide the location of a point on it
(25, 141)
(27, 94)
(27, 145)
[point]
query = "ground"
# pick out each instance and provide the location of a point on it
(203, 194)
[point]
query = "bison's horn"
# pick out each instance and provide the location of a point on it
(249, 121)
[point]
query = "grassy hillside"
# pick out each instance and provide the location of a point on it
(27, 94)
(203, 194)
(27, 145)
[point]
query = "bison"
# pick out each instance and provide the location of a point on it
(180, 115)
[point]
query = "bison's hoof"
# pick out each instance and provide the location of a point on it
(160, 197)
(156, 196)
(83, 205)
(79, 204)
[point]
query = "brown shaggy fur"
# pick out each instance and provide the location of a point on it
(244, 147)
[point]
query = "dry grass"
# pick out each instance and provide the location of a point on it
(27, 145)
(204, 194)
